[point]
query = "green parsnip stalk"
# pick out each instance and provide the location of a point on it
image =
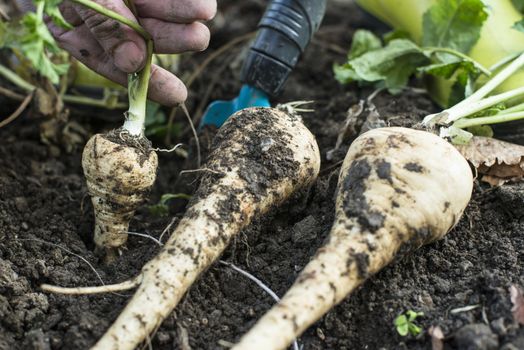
(138, 86)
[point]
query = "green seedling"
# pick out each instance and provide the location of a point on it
(162, 208)
(405, 323)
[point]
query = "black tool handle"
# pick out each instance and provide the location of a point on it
(284, 32)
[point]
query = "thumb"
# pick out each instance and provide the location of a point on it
(122, 43)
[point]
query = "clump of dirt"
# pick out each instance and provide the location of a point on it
(46, 222)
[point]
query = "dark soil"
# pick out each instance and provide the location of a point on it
(46, 225)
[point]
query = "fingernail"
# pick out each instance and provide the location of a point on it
(128, 57)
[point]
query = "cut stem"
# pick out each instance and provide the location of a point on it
(492, 119)
(479, 105)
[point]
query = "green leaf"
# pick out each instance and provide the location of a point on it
(391, 65)
(414, 329)
(519, 5)
(396, 34)
(168, 196)
(481, 130)
(454, 24)
(447, 70)
(412, 315)
(52, 10)
(493, 110)
(161, 208)
(31, 37)
(363, 41)
(401, 324)
(519, 25)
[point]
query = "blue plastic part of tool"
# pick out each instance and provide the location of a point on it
(283, 34)
(218, 111)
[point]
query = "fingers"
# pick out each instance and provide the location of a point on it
(164, 88)
(180, 11)
(177, 38)
(122, 43)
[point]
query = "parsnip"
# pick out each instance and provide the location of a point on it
(398, 189)
(119, 176)
(259, 158)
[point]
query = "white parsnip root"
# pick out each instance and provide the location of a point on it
(120, 170)
(398, 189)
(259, 158)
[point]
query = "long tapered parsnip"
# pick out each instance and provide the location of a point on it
(259, 158)
(398, 189)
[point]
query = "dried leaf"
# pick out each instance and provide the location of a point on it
(498, 161)
(437, 338)
(517, 299)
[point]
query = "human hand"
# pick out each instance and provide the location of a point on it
(114, 50)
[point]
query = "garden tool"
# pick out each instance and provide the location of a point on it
(283, 34)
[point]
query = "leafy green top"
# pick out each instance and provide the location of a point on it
(30, 37)
(450, 29)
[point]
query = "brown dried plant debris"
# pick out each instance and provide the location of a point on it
(497, 161)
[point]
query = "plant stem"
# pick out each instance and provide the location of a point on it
(116, 16)
(483, 69)
(498, 79)
(15, 79)
(479, 105)
(138, 86)
(470, 106)
(516, 108)
(93, 102)
(27, 87)
(494, 119)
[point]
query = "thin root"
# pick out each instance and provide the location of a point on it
(18, 111)
(261, 285)
(195, 134)
(167, 150)
(294, 107)
(129, 284)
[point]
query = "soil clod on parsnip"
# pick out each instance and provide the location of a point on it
(398, 190)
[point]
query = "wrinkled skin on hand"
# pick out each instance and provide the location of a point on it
(114, 50)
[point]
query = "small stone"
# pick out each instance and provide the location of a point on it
(25, 226)
(320, 334)
(498, 326)
(36, 340)
(21, 204)
(163, 337)
(266, 144)
(476, 337)
(305, 230)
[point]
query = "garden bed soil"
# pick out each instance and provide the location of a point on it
(46, 225)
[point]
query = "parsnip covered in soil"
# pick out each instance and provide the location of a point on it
(120, 170)
(398, 190)
(259, 158)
